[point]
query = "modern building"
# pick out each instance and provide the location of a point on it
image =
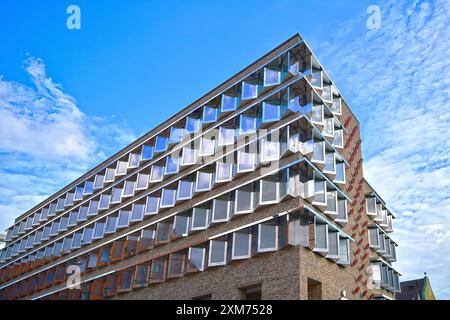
(254, 191)
(418, 289)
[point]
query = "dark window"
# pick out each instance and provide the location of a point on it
(253, 293)
(314, 289)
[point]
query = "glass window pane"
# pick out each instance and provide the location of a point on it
(157, 173)
(271, 77)
(87, 235)
(226, 136)
(217, 252)
(152, 205)
(207, 147)
(147, 152)
(340, 172)
(111, 224)
(104, 201)
(161, 144)
(88, 187)
(196, 258)
(241, 245)
(93, 207)
(69, 199)
(200, 218)
(331, 202)
(249, 90)
(271, 112)
(319, 191)
(185, 189)
(210, 114)
(193, 125)
(221, 210)
(162, 232)
(268, 237)
(124, 219)
(319, 151)
(180, 225)
(203, 181)
(128, 190)
(82, 214)
(177, 264)
(229, 103)
(224, 171)
(270, 150)
(99, 230)
(321, 235)
(247, 124)
(76, 241)
(158, 270)
(137, 213)
(176, 135)
(269, 190)
(244, 199)
(172, 165)
(110, 174)
(116, 195)
(133, 160)
(246, 161)
(189, 156)
(168, 198)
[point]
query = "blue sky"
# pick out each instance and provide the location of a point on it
(87, 93)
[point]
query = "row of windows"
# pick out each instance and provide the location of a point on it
(242, 244)
(383, 276)
(381, 242)
(272, 147)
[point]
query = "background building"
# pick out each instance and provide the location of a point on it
(254, 191)
(418, 289)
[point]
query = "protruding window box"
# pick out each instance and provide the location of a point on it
(193, 124)
(227, 136)
(121, 168)
(126, 280)
(336, 107)
(97, 289)
(339, 178)
(116, 195)
(204, 181)
(147, 239)
(196, 259)
(318, 115)
(181, 224)
(250, 89)
(146, 153)
(207, 146)
(104, 201)
(248, 124)
(133, 160)
(111, 224)
(332, 204)
(247, 161)
(317, 78)
(185, 189)
(210, 114)
(168, 197)
(137, 212)
(88, 233)
(118, 250)
(246, 199)
(271, 76)
(162, 233)
(268, 237)
(241, 244)
(93, 208)
(330, 165)
(222, 209)
(328, 129)
(111, 285)
(53, 230)
(176, 135)
(35, 223)
(158, 270)
(141, 275)
(142, 181)
(104, 256)
(161, 144)
(110, 175)
(333, 245)
(98, 183)
(189, 156)
(177, 265)
(52, 209)
(342, 215)
(129, 189)
(371, 206)
(99, 230)
(344, 251)
(124, 219)
(224, 171)
(320, 194)
(172, 165)
(76, 241)
(318, 156)
(321, 244)
(82, 213)
(228, 103)
(131, 245)
(152, 205)
(338, 140)
(327, 94)
(217, 253)
(200, 218)
(157, 173)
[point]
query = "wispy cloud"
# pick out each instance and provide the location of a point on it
(46, 141)
(396, 80)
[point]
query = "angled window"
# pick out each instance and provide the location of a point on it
(88, 187)
(121, 168)
(36, 219)
(82, 213)
(162, 232)
(338, 140)
(196, 259)
(137, 213)
(158, 270)
(147, 152)
(371, 206)
(267, 237)
(340, 173)
(332, 202)
(147, 239)
(104, 201)
(185, 189)
(342, 210)
(207, 146)
(217, 253)
(246, 161)
(60, 204)
(320, 190)
(157, 173)
(131, 245)
(46, 232)
(344, 251)
(180, 225)
(316, 78)
(104, 256)
(249, 90)
(38, 237)
(200, 218)
(328, 129)
(111, 224)
(76, 241)
(317, 114)
(321, 237)
(124, 219)
(177, 264)
(242, 240)
(228, 103)
(374, 238)
(151, 205)
(221, 209)
(116, 196)
(88, 233)
(141, 275)
(172, 165)
(51, 210)
(330, 163)
(210, 114)
(176, 135)
(30, 241)
(110, 175)
(247, 124)
(133, 160)
(54, 229)
(161, 144)
(69, 199)
(58, 249)
(168, 198)
(271, 112)
(43, 217)
(99, 230)
(224, 171)
(126, 279)
(269, 190)
(49, 251)
(319, 152)
(67, 243)
(244, 199)
(111, 285)
(271, 76)
(333, 245)
(129, 187)
(204, 181)
(226, 136)
(270, 150)
(193, 125)
(98, 182)
(118, 249)
(189, 156)
(22, 227)
(93, 208)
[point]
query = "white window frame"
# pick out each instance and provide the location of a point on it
(202, 268)
(226, 143)
(324, 192)
(118, 166)
(147, 213)
(140, 176)
(334, 163)
(107, 171)
(191, 191)
(239, 170)
(152, 172)
(184, 162)
(229, 204)
(252, 202)
(249, 252)
(210, 181)
(253, 86)
(265, 84)
(340, 164)
(277, 230)
(162, 205)
(131, 159)
(335, 202)
(315, 237)
(166, 172)
(203, 114)
(127, 182)
(102, 196)
(206, 224)
(277, 200)
(263, 143)
(209, 153)
(222, 98)
(186, 230)
(227, 179)
(221, 263)
(314, 159)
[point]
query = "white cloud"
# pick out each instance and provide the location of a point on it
(396, 81)
(46, 141)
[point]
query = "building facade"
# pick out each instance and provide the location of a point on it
(254, 191)
(418, 289)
